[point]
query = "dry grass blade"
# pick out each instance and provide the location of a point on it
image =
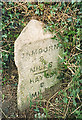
(3, 113)
(4, 51)
(75, 110)
(51, 98)
(67, 66)
(67, 108)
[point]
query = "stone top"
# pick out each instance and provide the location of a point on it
(36, 33)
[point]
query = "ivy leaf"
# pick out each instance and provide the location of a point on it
(4, 36)
(1, 71)
(37, 12)
(69, 19)
(41, 6)
(37, 110)
(65, 100)
(3, 96)
(29, 5)
(74, 102)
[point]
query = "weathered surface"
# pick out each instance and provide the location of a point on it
(36, 57)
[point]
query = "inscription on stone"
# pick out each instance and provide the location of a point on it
(36, 62)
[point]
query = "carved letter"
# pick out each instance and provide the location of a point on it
(46, 49)
(40, 50)
(50, 48)
(34, 52)
(42, 84)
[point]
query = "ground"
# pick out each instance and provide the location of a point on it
(9, 101)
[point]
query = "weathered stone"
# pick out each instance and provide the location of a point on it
(36, 57)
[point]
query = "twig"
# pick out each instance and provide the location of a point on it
(51, 111)
(11, 8)
(40, 100)
(75, 109)
(58, 92)
(57, 111)
(67, 108)
(78, 97)
(59, 30)
(51, 98)
(6, 25)
(25, 8)
(67, 66)
(79, 49)
(4, 50)
(37, 106)
(3, 113)
(73, 56)
(69, 83)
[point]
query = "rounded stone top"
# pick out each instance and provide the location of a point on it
(31, 33)
(34, 31)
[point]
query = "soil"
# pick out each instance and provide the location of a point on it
(9, 91)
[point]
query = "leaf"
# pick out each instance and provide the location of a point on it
(45, 110)
(41, 6)
(73, 1)
(35, 6)
(65, 94)
(37, 12)
(77, 112)
(35, 115)
(65, 100)
(78, 31)
(45, 75)
(78, 90)
(29, 5)
(10, 3)
(4, 36)
(31, 103)
(39, 115)
(3, 96)
(69, 19)
(16, 84)
(37, 110)
(74, 93)
(65, 66)
(1, 71)
(74, 102)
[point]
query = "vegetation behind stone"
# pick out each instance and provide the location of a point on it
(64, 21)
